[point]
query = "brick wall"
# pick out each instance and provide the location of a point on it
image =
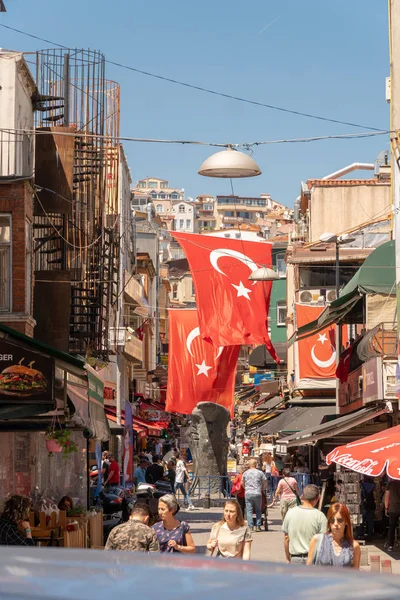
(16, 199)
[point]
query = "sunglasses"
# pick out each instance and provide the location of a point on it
(339, 520)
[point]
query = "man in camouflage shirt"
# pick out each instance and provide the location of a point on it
(134, 535)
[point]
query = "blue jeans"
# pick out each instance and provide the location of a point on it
(253, 504)
(181, 487)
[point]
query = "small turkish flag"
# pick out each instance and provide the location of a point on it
(232, 310)
(197, 371)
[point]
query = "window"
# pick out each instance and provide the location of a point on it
(154, 195)
(174, 196)
(281, 265)
(188, 223)
(281, 313)
(182, 208)
(175, 291)
(153, 184)
(142, 185)
(5, 263)
(164, 185)
(181, 223)
(193, 290)
(159, 208)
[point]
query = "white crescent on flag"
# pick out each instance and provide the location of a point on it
(192, 336)
(215, 255)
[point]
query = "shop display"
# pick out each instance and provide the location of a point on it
(348, 491)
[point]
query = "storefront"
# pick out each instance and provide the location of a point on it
(43, 388)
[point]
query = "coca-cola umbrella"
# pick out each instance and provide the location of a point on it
(371, 455)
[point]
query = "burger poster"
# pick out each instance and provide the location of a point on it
(25, 375)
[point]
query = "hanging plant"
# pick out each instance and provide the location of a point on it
(59, 440)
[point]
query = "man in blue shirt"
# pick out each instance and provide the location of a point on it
(139, 476)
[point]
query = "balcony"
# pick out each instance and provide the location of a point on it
(132, 347)
(133, 290)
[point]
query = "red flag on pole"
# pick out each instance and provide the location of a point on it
(197, 371)
(232, 310)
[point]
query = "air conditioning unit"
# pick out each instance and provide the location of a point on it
(331, 295)
(310, 296)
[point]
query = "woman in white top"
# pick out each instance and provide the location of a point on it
(231, 537)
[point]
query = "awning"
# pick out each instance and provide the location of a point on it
(333, 427)
(295, 419)
(375, 276)
(270, 404)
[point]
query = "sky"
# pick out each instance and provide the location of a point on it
(325, 58)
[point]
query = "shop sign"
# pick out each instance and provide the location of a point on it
(96, 388)
(372, 380)
(231, 465)
(351, 393)
(25, 375)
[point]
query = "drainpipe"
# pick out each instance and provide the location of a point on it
(349, 169)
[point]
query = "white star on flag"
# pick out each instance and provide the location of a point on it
(322, 338)
(242, 290)
(203, 369)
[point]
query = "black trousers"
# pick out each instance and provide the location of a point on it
(393, 521)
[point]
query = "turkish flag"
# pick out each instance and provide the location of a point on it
(317, 353)
(197, 371)
(232, 310)
(343, 368)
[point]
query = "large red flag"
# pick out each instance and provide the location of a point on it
(316, 353)
(232, 310)
(197, 371)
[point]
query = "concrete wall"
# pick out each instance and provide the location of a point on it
(337, 209)
(17, 87)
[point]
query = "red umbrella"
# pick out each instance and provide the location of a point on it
(371, 455)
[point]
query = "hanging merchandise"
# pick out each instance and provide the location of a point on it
(232, 310)
(198, 372)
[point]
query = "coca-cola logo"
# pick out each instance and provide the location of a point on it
(365, 466)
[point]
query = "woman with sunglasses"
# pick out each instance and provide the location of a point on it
(337, 547)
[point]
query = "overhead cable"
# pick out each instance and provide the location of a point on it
(203, 89)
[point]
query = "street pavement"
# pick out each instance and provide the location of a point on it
(268, 545)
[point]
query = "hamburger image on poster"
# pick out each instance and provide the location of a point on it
(19, 379)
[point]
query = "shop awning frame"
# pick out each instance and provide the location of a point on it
(333, 427)
(293, 419)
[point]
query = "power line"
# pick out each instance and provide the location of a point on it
(203, 89)
(245, 145)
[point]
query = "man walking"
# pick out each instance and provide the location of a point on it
(181, 477)
(301, 524)
(134, 535)
(113, 477)
(254, 484)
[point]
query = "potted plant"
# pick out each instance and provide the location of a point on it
(59, 440)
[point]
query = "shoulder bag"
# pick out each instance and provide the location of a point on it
(298, 499)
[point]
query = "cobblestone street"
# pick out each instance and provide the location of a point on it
(268, 546)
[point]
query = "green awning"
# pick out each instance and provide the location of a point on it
(41, 347)
(375, 276)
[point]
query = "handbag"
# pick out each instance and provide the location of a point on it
(237, 488)
(298, 499)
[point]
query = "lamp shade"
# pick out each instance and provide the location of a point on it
(229, 164)
(264, 274)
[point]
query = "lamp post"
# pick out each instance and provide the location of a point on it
(338, 240)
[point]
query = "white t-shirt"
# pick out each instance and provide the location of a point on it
(158, 448)
(180, 471)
